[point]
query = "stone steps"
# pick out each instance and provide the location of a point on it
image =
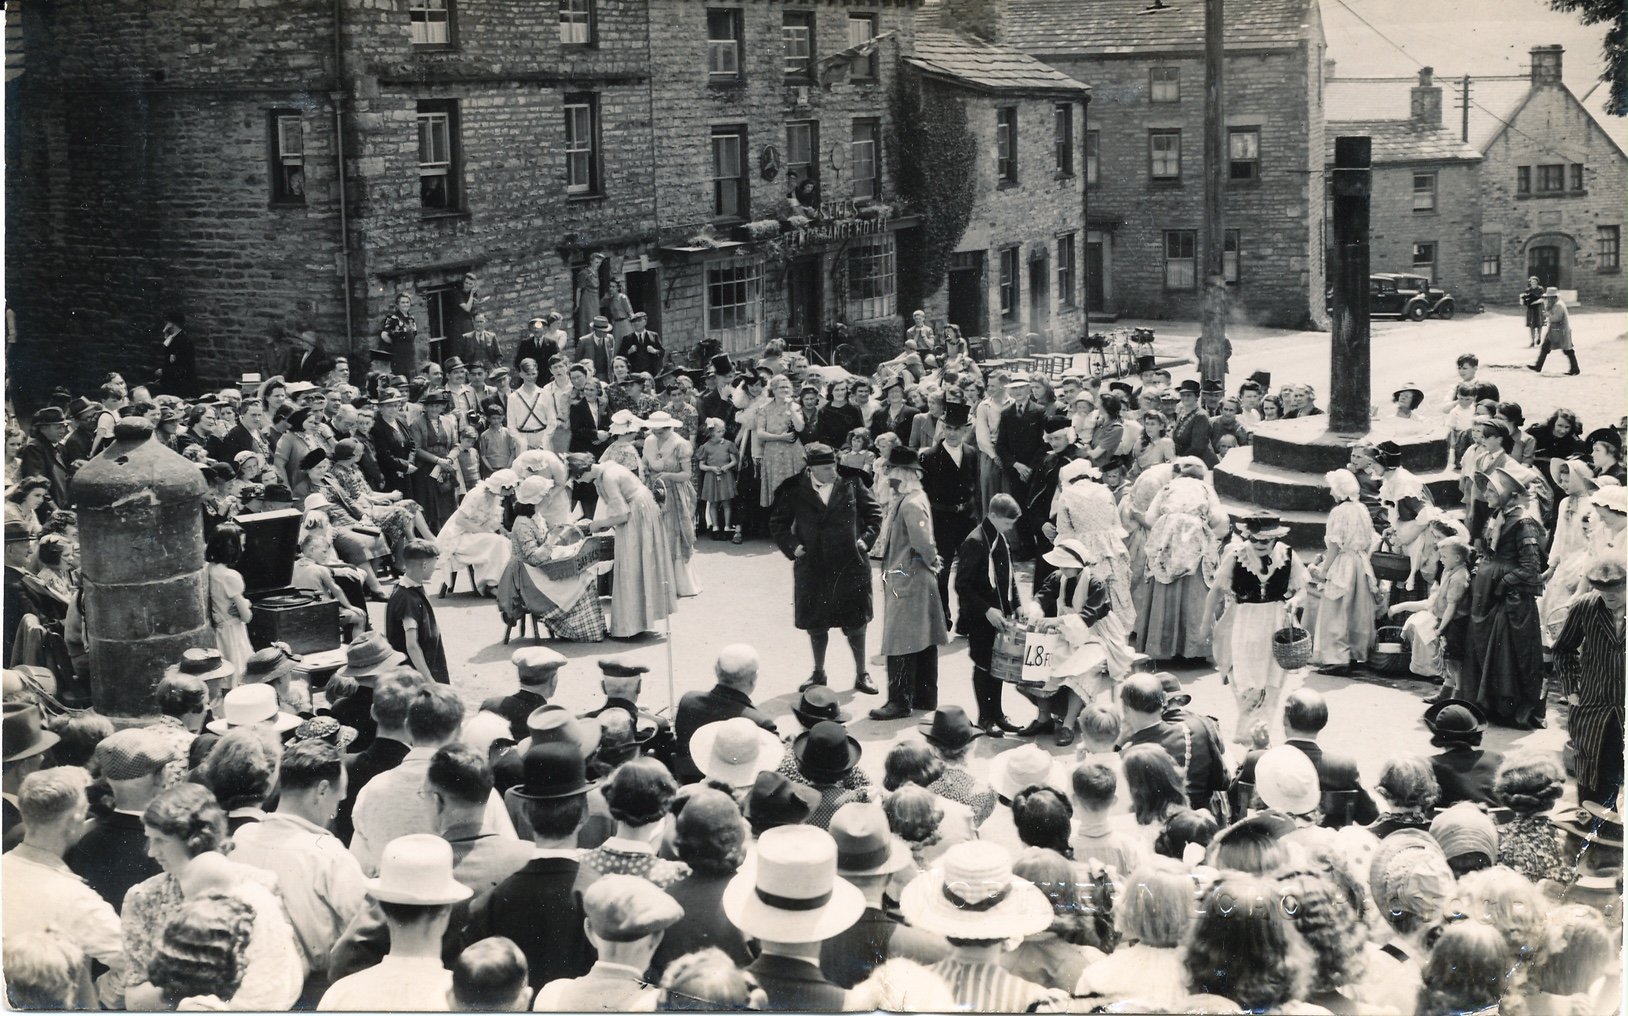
(1240, 477)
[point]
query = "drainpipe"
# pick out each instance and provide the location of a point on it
(337, 97)
(1082, 262)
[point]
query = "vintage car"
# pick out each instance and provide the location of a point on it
(1406, 296)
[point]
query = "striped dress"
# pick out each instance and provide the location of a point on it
(1588, 652)
(989, 987)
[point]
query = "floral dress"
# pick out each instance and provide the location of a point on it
(1180, 554)
(625, 454)
(678, 508)
(569, 607)
(779, 460)
(348, 489)
(1529, 845)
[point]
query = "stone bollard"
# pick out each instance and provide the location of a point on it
(142, 559)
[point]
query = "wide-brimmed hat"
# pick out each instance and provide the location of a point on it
(816, 703)
(1069, 553)
(250, 705)
(416, 869)
(205, 664)
(1286, 779)
(81, 405)
(734, 751)
(453, 363)
(269, 665)
(1189, 387)
(972, 894)
(1409, 386)
(661, 420)
(1586, 825)
(788, 890)
(1500, 479)
(1575, 465)
(1604, 435)
(775, 800)
(1011, 772)
(1263, 524)
(369, 656)
(325, 728)
(825, 752)
(625, 421)
(1611, 497)
(551, 771)
(1453, 720)
(865, 843)
(22, 735)
(949, 728)
(1551, 293)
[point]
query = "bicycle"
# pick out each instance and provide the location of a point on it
(1114, 353)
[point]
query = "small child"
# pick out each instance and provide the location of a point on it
(1461, 420)
(467, 459)
(314, 576)
(1450, 606)
(1095, 789)
(879, 485)
(229, 609)
(1529, 784)
(409, 619)
(717, 458)
(856, 453)
(498, 445)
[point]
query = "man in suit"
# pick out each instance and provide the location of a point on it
(249, 433)
(1044, 483)
(736, 671)
(868, 856)
(42, 455)
(642, 347)
(1191, 433)
(825, 524)
(1197, 750)
(716, 403)
(391, 441)
(950, 478)
(621, 682)
(307, 360)
(22, 593)
(386, 719)
(538, 344)
(797, 903)
(626, 917)
(178, 374)
(81, 444)
(539, 907)
(597, 347)
(987, 590)
(112, 855)
(1345, 802)
(1018, 441)
(588, 426)
(538, 669)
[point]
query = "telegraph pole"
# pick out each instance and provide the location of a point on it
(1349, 411)
(1212, 361)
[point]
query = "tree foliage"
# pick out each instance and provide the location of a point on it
(1614, 14)
(934, 159)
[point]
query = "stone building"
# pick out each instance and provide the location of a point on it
(1425, 213)
(1144, 158)
(1552, 178)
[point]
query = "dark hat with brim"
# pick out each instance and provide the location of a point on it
(1591, 823)
(720, 365)
(817, 454)
(1211, 386)
(818, 703)
(825, 752)
(776, 801)
(50, 414)
(1606, 436)
(949, 728)
(1054, 424)
(1145, 363)
(1189, 387)
(903, 457)
(1455, 720)
(552, 770)
(22, 735)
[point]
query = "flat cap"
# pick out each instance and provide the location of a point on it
(616, 668)
(626, 908)
(536, 661)
(133, 753)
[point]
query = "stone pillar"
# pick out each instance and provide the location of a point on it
(142, 558)
(1349, 408)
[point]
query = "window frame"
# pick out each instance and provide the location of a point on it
(1009, 269)
(745, 315)
(1062, 129)
(1186, 242)
(1608, 258)
(1492, 252)
(1523, 179)
(1168, 76)
(866, 68)
(873, 279)
(589, 22)
(1252, 165)
(734, 44)
(427, 8)
(1425, 268)
(446, 111)
(742, 180)
(1006, 146)
(788, 21)
(1155, 133)
(279, 159)
(1068, 270)
(439, 302)
(593, 187)
(1232, 246)
(874, 126)
(1555, 171)
(809, 170)
(1430, 192)
(1093, 158)
(1574, 179)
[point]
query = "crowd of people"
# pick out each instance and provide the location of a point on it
(363, 838)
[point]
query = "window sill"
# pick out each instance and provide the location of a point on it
(569, 46)
(429, 214)
(1060, 175)
(587, 197)
(435, 47)
(1424, 211)
(1006, 185)
(1541, 195)
(1244, 183)
(726, 84)
(285, 205)
(1164, 181)
(1614, 270)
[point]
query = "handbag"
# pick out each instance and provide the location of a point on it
(1388, 564)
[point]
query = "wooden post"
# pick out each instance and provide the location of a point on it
(1212, 340)
(1349, 409)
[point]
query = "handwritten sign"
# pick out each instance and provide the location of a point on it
(1039, 655)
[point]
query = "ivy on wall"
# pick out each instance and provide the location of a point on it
(934, 160)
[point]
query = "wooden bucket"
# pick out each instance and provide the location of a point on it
(1006, 663)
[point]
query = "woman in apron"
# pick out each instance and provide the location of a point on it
(569, 607)
(1096, 653)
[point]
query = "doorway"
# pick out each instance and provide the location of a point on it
(1040, 295)
(803, 285)
(644, 293)
(1544, 262)
(966, 294)
(1095, 292)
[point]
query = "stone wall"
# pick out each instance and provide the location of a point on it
(1454, 227)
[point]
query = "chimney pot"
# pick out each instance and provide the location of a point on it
(1547, 64)
(1425, 74)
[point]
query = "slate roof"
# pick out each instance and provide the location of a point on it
(1494, 99)
(1400, 141)
(1107, 27)
(980, 65)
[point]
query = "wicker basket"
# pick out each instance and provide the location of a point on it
(590, 551)
(1389, 565)
(1291, 647)
(1391, 653)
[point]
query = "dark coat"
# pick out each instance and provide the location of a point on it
(1206, 770)
(696, 709)
(643, 351)
(356, 711)
(515, 708)
(661, 746)
(1020, 438)
(1465, 774)
(704, 924)
(240, 439)
(42, 459)
(20, 599)
(952, 491)
(307, 364)
(589, 348)
(1191, 436)
(540, 349)
(539, 908)
(901, 428)
(394, 447)
(832, 580)
(178, 374)
(112, 856)
(795, 986)
(848, 957)
(380, 757)
(585, 428)
(976, 594)
(717, 407)
(1345, 802)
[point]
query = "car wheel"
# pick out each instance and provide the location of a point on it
(1416, 312)
(1445, 310)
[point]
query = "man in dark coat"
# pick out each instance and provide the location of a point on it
(986, 587)
(950, 478)
(1191, 434)
(1345, 802)
(538, 669)
(248, 434)
(736, 671)
(82, 442)
(178, 373)
(112, 855)
(42, 455)
(716, 403)
(826, 524)
(1464, 770)
(20, 593)
(1019, 443)
(538, 344)
(621, 682)
(642, 347)
(307, 360)
(597, 346)
(1195, 748)
(1044, 483)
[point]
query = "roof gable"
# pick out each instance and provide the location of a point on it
(1494, 101)
(979, 65)
(1109, 27)
(1400, 141)
(1614, 127)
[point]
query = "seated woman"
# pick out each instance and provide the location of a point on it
(1096, 654)
(474, 537)
(355, 547)
(569, 607)
(346, 486)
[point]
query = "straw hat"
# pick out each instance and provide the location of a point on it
(1012, 772)
(203, 664)
(660, 420)
(734, 751)
(624, 422)
(417, 869)
(972, 894)
(251, 705)
(788, 889)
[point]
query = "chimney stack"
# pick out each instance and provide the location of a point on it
(1546, 65)
(1426, 101)
(982, 18)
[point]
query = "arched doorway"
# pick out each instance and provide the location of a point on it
(1551, 257)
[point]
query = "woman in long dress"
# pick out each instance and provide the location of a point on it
(1255, 579)
(644, 588)
(1504, 672)
(569, 607)
(474, 537)
(1185, 525)
(1344, 628)
(1134, 502)
(1084, 511)
(780, 454)
(229, 609)
(668, 460)
(1584, 527)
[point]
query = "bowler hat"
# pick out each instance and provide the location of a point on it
(1454, 720)
(50, 414)
(551, 771)
(817, 454)
(776, 801)
(825, 752)
(949, 728)
(22, 736)
(1189, 387)
(818, 703)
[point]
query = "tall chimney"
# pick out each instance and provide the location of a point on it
(983, 18)
(1546, 65)
(1426, 101)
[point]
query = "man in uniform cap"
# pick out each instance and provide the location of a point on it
(112, 855)
(950, 478)
(626, 917)
(538, 669)
(621, 682)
